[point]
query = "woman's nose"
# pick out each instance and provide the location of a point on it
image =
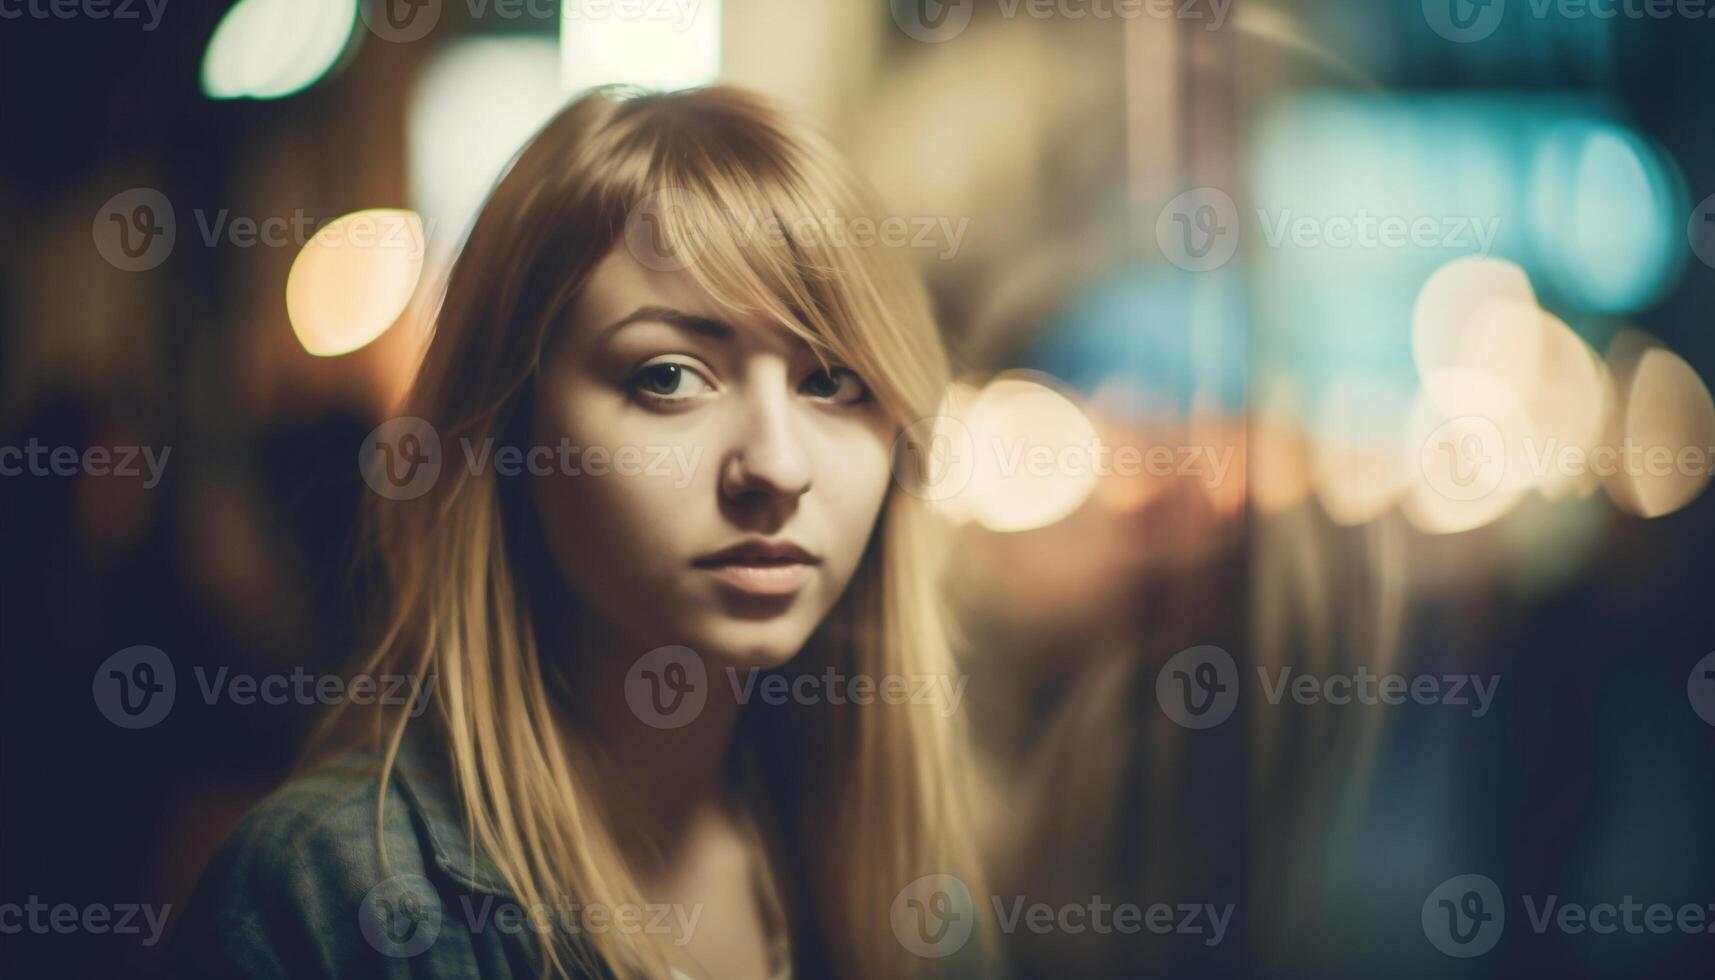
(768, 457)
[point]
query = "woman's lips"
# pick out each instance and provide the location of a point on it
(760, 566)
(772, 579)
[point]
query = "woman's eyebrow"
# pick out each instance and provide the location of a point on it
(714, 329)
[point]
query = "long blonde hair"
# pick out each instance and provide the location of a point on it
(865, 798)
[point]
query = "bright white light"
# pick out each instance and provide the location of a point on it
(477, 103)
(265, 49)
(1657, 457)
(667, 45)
(1476, 314)
(1468, 466)
(1573, 396)
(1035, 455)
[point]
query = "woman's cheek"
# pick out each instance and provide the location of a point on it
(858, 472)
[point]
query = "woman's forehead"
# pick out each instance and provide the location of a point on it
(622, 289)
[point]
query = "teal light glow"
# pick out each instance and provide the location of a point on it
(1555, 183)
(267, 49)
(1176, 335)
(1603, 214)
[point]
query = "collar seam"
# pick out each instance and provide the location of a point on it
(436, 827)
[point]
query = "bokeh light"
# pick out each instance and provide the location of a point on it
(1606, 215)
(354, 279)
(676, 46)
(476, 103)
(1035, 459)
(266, 49)
(1663, 433)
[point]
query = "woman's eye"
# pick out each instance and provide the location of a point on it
(838, 385)
(668, 381)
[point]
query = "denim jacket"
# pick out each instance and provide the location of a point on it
(299, 890)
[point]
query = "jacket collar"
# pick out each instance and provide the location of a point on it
(424, 780)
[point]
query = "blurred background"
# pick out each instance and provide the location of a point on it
(1385, 314)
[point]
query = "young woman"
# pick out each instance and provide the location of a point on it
(660, 634)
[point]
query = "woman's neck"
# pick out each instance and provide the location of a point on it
(657, 783)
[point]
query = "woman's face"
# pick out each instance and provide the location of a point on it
(711, 484)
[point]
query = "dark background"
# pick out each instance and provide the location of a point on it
(1060, 139)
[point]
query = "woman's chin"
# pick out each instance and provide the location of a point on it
(752, 644)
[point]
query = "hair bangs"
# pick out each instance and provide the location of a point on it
(775, 228)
